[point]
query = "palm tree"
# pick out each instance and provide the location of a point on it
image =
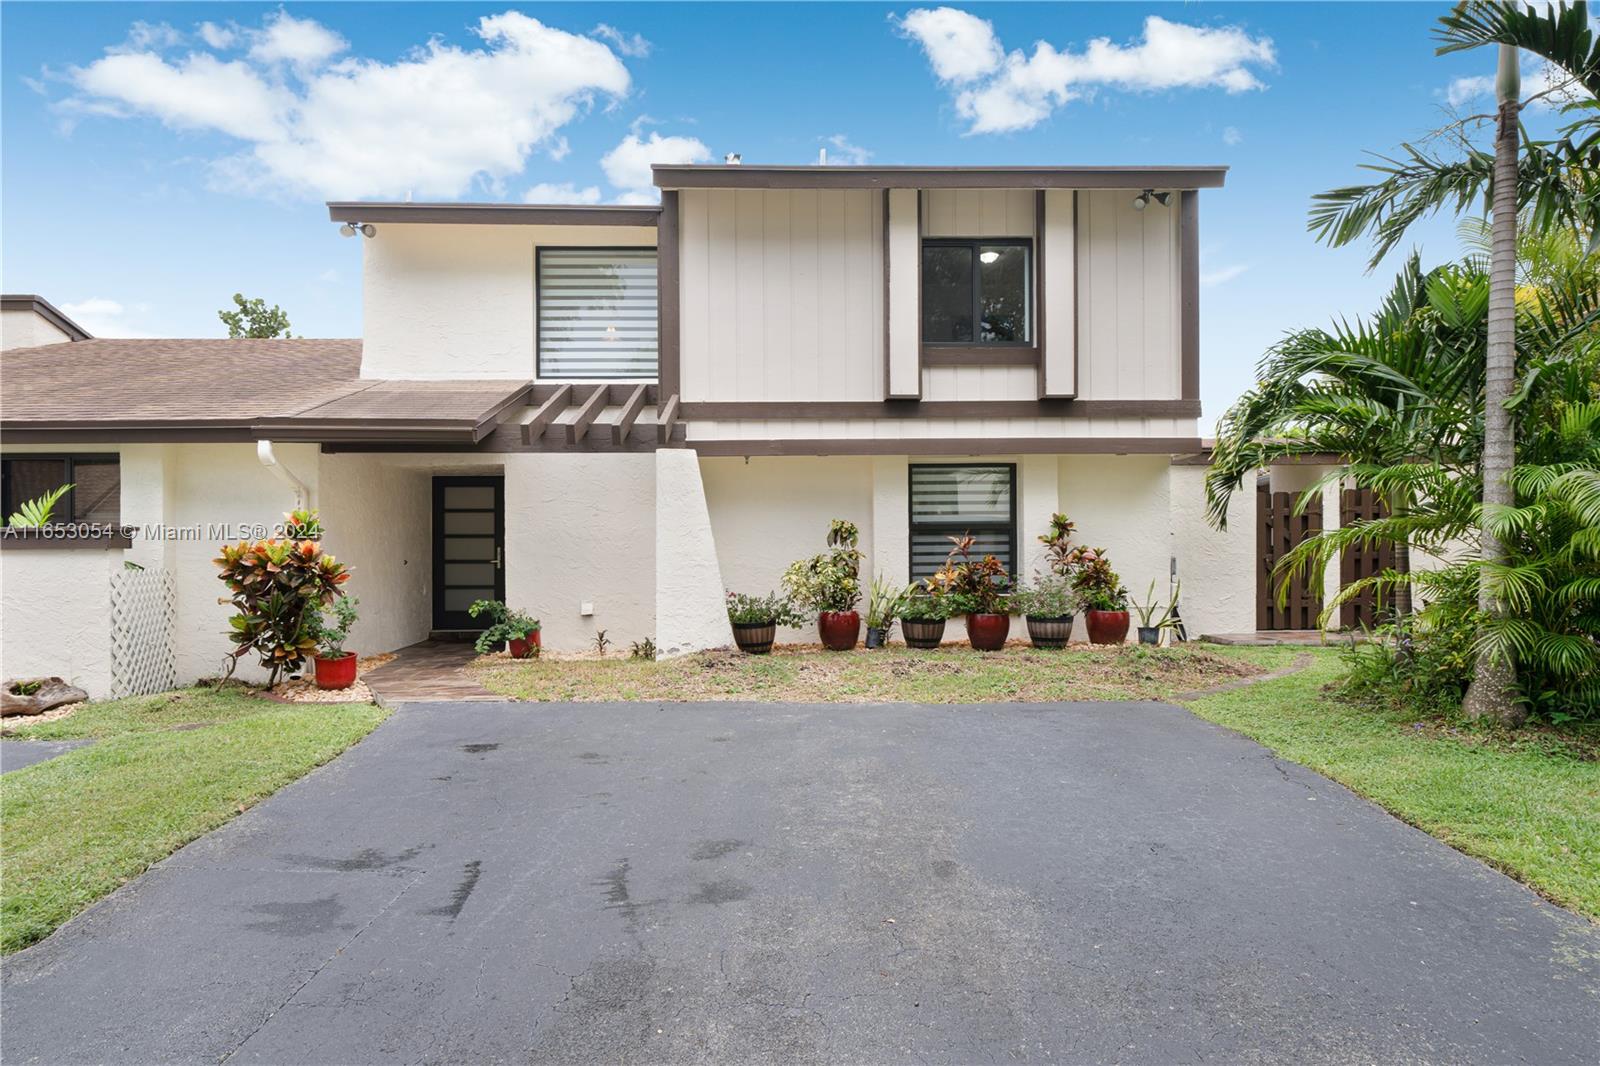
(1558, 181)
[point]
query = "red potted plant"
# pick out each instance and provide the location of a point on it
(516, 631)
(980, 589)
(335, 668)
(830, 584)
(1100, 591)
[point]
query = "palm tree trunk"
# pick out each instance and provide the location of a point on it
(1490, 694)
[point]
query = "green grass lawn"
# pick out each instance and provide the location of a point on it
(1527, 803)
(164, 770)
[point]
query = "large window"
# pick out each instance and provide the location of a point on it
(597, 313)
(96, 482)
(948, 501)
(976, 292)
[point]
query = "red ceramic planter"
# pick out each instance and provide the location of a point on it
(839, 629)
(987, 632)
(526, 647)
(1107, 627)
(336, 673)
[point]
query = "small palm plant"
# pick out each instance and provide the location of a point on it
(32, 514)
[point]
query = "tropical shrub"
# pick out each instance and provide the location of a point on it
(1050, 596)
(773, 609)
(885, 602)
(1057, 541)
(1096, 585)
(972, 586)
(277, 587)
(302, 523)
(830, 581)
(923, 604)
(505, 625)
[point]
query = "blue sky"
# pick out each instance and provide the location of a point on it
(159, 157)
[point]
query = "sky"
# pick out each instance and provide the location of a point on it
(157, 158)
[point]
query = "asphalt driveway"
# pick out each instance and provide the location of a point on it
(637, 883)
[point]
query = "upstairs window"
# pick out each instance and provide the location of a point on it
(949, 501)
(96, 481)
(597, 313)
(977, 291)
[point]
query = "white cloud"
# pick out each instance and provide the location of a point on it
(629, 44)
(216, 36)
(627, 166)
(998, 91)
(304, 43)
(1231, 136)
(104, 318)
(842, 152)
(1465, 90)
(1222, 275)
(565, 193)
(434, 122)
(1536, 78)
(149, 36)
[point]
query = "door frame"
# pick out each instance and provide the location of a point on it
(440, 482)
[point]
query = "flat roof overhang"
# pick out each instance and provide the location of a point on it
(494, 214)
(742, 176)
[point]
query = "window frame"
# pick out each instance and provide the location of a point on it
(913, 526)
(69, 502)
(976, 245)
(538, 305)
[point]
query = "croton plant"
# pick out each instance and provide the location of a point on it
(277, 588)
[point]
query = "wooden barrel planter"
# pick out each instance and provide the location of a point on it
(1050, 633)
(922, 634)
(754, 638)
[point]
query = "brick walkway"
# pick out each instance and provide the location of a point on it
(427, 673)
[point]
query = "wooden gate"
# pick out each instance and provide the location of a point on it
(1278, 531)
(1364, 560)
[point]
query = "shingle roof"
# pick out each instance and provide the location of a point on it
(301, 389)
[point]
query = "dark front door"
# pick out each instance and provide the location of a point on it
(469, 531)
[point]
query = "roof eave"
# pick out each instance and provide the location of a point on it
(376, 211)
(741, 176)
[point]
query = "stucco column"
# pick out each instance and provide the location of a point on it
(691, 611)
(1039, 497)
(889, 553)
(1217, 567)
(147, 501)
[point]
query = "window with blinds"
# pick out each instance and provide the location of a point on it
(948, 501)
(597, 313)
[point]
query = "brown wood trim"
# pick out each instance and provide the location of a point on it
(68, 536)
(888, 387)
(823, 409)
(501, 411)
(1189, 300)
(596, 402)
(493, 214)
(1077, 288)
(144, 431)
(950, 446)
(507, 440)
(1039, 337)
(668, 276)
(628, 415)
(699, 176)
(978, 355)
(558, 401)
(667, 419)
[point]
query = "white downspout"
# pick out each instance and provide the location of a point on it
(302, 492)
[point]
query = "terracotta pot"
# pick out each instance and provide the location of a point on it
(839, 629)
(754, 638)
(1107, 627)
(526, 647)
(923, 634)
(1149, 635)
(1050, 632)
(336, 673)
(987, 632)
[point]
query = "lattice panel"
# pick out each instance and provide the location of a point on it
(142, 657)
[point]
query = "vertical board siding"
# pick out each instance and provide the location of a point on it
(1128, 298)
(1058, 339)
(977, 213)
(903, 247)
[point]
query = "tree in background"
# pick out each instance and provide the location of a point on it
(253, 318)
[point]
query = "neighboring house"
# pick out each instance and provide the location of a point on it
(608, 415)
(28, 321)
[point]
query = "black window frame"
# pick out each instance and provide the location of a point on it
(976, 245)
(538, 312)
(956, 527)
(67, 510)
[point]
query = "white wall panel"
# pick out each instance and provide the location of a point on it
(1128, 291)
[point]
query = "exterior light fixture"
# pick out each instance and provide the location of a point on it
(1142, 201)
(350, 229)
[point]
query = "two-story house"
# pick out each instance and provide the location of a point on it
(608, 416)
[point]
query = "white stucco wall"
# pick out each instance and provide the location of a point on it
(25, 329)
(1122, 503)
(580, 527)
(377, 511)
(55, 615)
(447, 301)
(691, 613)
(1217, 567)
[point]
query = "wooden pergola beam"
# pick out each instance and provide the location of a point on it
(546, 414)
(628, 415)
(666, 418)
(578, 428)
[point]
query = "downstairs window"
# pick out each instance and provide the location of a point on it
(96, 482)
(949, 500)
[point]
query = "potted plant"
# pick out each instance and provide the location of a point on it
(884, 603)
(755, 620)
(1047, 605)
(275, 586)
(1150, 626)
(519, 632)
(979, 589)
(830, 584)
(1100, 591)
(922, 618)
(335, 668)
